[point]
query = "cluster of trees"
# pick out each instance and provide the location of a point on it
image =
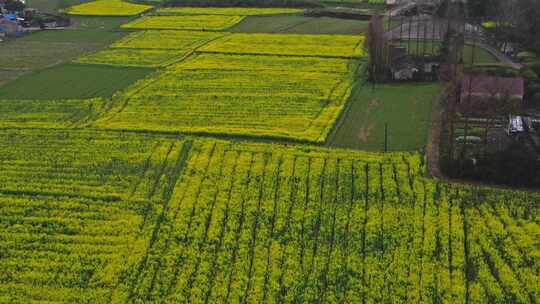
(516, 20)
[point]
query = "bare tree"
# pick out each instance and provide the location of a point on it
(377, 46)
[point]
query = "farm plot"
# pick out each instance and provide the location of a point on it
(47, 114)
(228, 11)
(262, 223)
(405, 108)
(77, 211)
(166, 39)
(66, 82)
(108, 8)
(133, 57)
(150, 48)
(285, 97)
(300, 24)
(48, 48)
(288, 44)
(195, 22)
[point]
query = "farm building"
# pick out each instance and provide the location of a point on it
(482, 88)
(415, 67)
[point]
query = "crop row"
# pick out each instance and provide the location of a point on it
(208, 221)
(77, 210)
(94, 164)
(267, 226)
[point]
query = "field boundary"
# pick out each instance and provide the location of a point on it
(358, 57)
(345, 110)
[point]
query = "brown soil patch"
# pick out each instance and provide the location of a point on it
(365, 133)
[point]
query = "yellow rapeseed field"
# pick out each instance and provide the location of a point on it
(196, 22)
(289, 44)
(165, 39)
(134, 57)
(278, 97)
(108, 8)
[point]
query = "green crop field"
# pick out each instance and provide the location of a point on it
(43, 49)
(299, 24)
(53, 5)
(72, 81)
(74, 36)
(282, 97)
(49, 48)
(405, 107)
(228, 11)
(98, 23)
